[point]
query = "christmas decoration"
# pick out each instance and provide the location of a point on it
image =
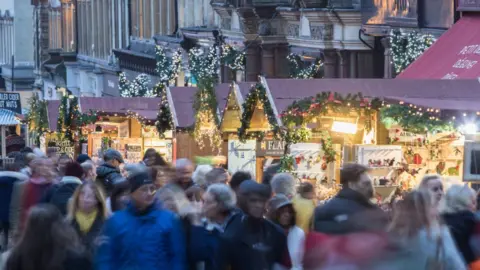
(37, 118)
(287, 164)
(232, 58)
(300, 70)
(329, 152)
(70, 120)
(257, 95)
(406, 47)
(415, 120)
(139, 87)
(204, 67)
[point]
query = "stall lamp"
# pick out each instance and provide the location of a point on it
(344, 127)
(469, 128)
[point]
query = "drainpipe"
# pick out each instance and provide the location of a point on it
(175, 31)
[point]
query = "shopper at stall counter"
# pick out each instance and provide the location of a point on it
(109, 172)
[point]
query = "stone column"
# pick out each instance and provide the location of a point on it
(281, 62)
(268, 60)
(388, 66)
(344, 57)
(353, 64)
(253, 63)
(330, 64)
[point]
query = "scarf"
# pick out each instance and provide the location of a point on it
(85, 220)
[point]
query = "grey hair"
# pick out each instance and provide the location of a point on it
(182, 163)
(284, 183)
(199, 175)
(458, 198)
(427, 178)
(224, 195)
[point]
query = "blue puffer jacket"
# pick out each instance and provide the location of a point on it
(149, 241)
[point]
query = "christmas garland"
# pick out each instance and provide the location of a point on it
(139, 87)
(412, 120)
(204, 67)
(407, 47)
(257, 95)
(298, 69)
(167, 70)
(70, 120)
(63, 121)
(232, 58)
(37, 118)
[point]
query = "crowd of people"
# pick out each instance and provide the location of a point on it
(57, 213)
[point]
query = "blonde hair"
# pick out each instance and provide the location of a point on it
(412, 214)
(101, 204)
(458, 198)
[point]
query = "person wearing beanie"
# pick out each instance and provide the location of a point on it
(82, 158)
(251, 242)
(142, 236)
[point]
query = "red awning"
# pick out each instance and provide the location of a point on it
(455, 55)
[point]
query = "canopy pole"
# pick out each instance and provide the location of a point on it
(4, 142)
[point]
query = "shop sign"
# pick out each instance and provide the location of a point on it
(270, 148)
(133, 152)
(11, 102)
(110, 85)
(468, 5)
(62, 146)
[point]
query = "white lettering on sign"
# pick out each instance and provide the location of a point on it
(111, 84)
(470, 49)
(450, 76)
(465, 63)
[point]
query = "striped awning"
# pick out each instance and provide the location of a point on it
(8, 118)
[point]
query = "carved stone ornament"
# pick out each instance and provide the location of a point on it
(226, 23)
(293, 30)
(248, 25)
(265, 28)
(321, 32)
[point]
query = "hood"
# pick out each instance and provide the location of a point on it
(106, 169)
(71, 180)
(17, 175)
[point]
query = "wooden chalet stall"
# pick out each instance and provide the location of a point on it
(125, 124)
(343, 126)
(181, 106)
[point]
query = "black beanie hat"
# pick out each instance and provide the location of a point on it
(82, 158)
(251, 187)
(139, 179)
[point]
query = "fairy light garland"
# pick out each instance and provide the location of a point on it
(70, 121)
(233, 58)
(37, 118)
(204, 67)
(298, 69)
(407, 47)
(139, 87)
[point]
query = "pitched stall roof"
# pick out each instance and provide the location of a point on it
(8, 118)
(182, 103)
(285, 91)
(145, 107)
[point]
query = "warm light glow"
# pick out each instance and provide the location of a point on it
(469, 128)
(344, 127)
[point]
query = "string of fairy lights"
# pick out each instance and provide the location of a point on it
(407, 47)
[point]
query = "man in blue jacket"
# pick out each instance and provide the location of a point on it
(142, 236)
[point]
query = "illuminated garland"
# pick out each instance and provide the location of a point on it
(37, 118)
(232, 58)
(167, 70)
(258, 95)
(411, 119)
(204, 67)
(407, 47)
(139, 87)
(70, 120)
(297, 69)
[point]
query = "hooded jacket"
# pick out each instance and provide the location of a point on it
(108, 175)
(150, 240)
(7, 181)
(60, 194)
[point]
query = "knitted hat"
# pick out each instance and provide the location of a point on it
(138, 180)
(251, 187)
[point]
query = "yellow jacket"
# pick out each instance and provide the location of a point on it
(304, 209)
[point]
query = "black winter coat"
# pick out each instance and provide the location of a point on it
(349, 212)
(89, 239)
(76, 261)
(60, 194)
(462, 226)
(242, 248)
(108, 176)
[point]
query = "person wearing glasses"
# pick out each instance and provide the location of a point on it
(142, 236)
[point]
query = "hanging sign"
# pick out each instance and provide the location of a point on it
(270, 148)
(11, 102)
(133, 152)
(61, 146)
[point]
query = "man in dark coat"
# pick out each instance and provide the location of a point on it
(251, 242)
(351, 210)
(7, 180)
(109, 172)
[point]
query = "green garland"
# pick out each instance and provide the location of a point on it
(407, 47)
(204, 68)
(37, 118)
(287, 164)
(70, 120)
(63, 121)
(164, 120)
(257, 95)
(232, 58)
(327, 147)
(300, 70)
(412, 120)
